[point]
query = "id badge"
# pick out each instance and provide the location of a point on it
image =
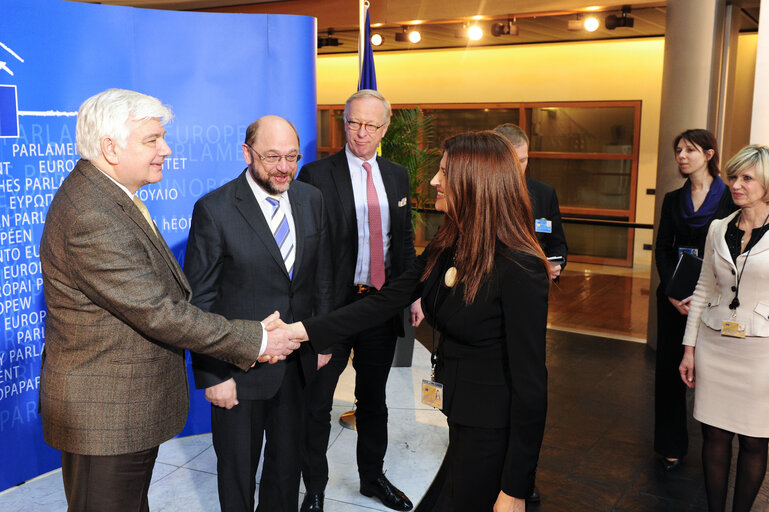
(432, 393)
(691, 250)
(732, 329)
(543, 226)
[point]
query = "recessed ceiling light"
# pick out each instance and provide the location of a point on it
(591, 24)
(474, 33)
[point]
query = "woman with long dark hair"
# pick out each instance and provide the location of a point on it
(484, 283)
(686, 215)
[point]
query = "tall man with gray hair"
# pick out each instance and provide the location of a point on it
(369, 218)
(113, 379)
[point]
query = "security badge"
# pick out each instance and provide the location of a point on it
(543, 226)
(732, 329)
(691, 250)
(432, 393)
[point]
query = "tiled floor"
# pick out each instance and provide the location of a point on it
(597, 453)
(184, 478)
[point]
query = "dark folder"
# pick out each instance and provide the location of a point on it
(685, 277)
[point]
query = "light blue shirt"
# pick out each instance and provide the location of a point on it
(358, 178)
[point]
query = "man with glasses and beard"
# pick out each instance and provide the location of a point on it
(259, 244)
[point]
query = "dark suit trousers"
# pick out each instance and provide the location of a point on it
(237, 435)
(118, 483)
(373, 351)
(671, 438)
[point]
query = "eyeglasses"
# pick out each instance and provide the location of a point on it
(274, 159)
(355, 126)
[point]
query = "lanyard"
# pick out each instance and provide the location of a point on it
(736, 301)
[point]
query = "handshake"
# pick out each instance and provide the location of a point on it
(283, 338)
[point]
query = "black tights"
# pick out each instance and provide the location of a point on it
(716, 459)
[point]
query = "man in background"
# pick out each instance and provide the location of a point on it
(113, 378)
(257, 244)
(544, 204)
(369, 217)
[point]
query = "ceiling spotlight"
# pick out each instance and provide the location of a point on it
(377, 39)
(508, 28)
(592, 24)
(407, 36)
(474, 33)
(613, 21)
(328, 40)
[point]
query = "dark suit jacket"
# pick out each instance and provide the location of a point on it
(113, 376)
(491, 352)
(236, 270)
(332, 176)
(544, 205)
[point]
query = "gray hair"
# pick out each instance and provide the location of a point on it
(107, 114)
(756, 156)
(369, 93)
(513, 133)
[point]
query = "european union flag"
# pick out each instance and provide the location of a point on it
(367, 72)
(9, 119)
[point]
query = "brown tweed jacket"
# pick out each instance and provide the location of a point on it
(113, 376)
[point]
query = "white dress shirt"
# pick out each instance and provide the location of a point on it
(360, 195)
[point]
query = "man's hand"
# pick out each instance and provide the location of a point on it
(279, 342)
(323, 360)
(555, 271)
(416, 313)
(223, 394)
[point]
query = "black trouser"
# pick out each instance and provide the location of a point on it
(237, 435)
(118, 483)
(671, 438)
(372, 357)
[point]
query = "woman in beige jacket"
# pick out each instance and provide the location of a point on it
(729, 325)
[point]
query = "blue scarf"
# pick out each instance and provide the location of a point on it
(708, 208)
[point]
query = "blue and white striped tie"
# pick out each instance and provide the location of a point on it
(281, 231)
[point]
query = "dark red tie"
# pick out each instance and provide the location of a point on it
(376, 264)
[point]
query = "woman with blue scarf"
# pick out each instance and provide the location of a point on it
(686, 215)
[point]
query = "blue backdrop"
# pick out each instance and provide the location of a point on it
(218, 72)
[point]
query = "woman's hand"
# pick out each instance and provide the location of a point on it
(506, 503)
(681, 305)
(686, 368)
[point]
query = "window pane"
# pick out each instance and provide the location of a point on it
(600, 241)
(586, 183)
(582, 130)
(324, 135)
(448, 122)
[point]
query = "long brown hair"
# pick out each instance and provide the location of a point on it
(487, 201)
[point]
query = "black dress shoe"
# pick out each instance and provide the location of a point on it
(534, 497)
(388, 494)
(671, 465)
(313, 502)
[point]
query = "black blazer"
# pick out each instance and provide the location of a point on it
(674, 232)
(491, 353)
(544, 205)
(332, 176)
(235, 269)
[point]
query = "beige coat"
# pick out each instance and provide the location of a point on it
(713, 294)
(113, 376)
